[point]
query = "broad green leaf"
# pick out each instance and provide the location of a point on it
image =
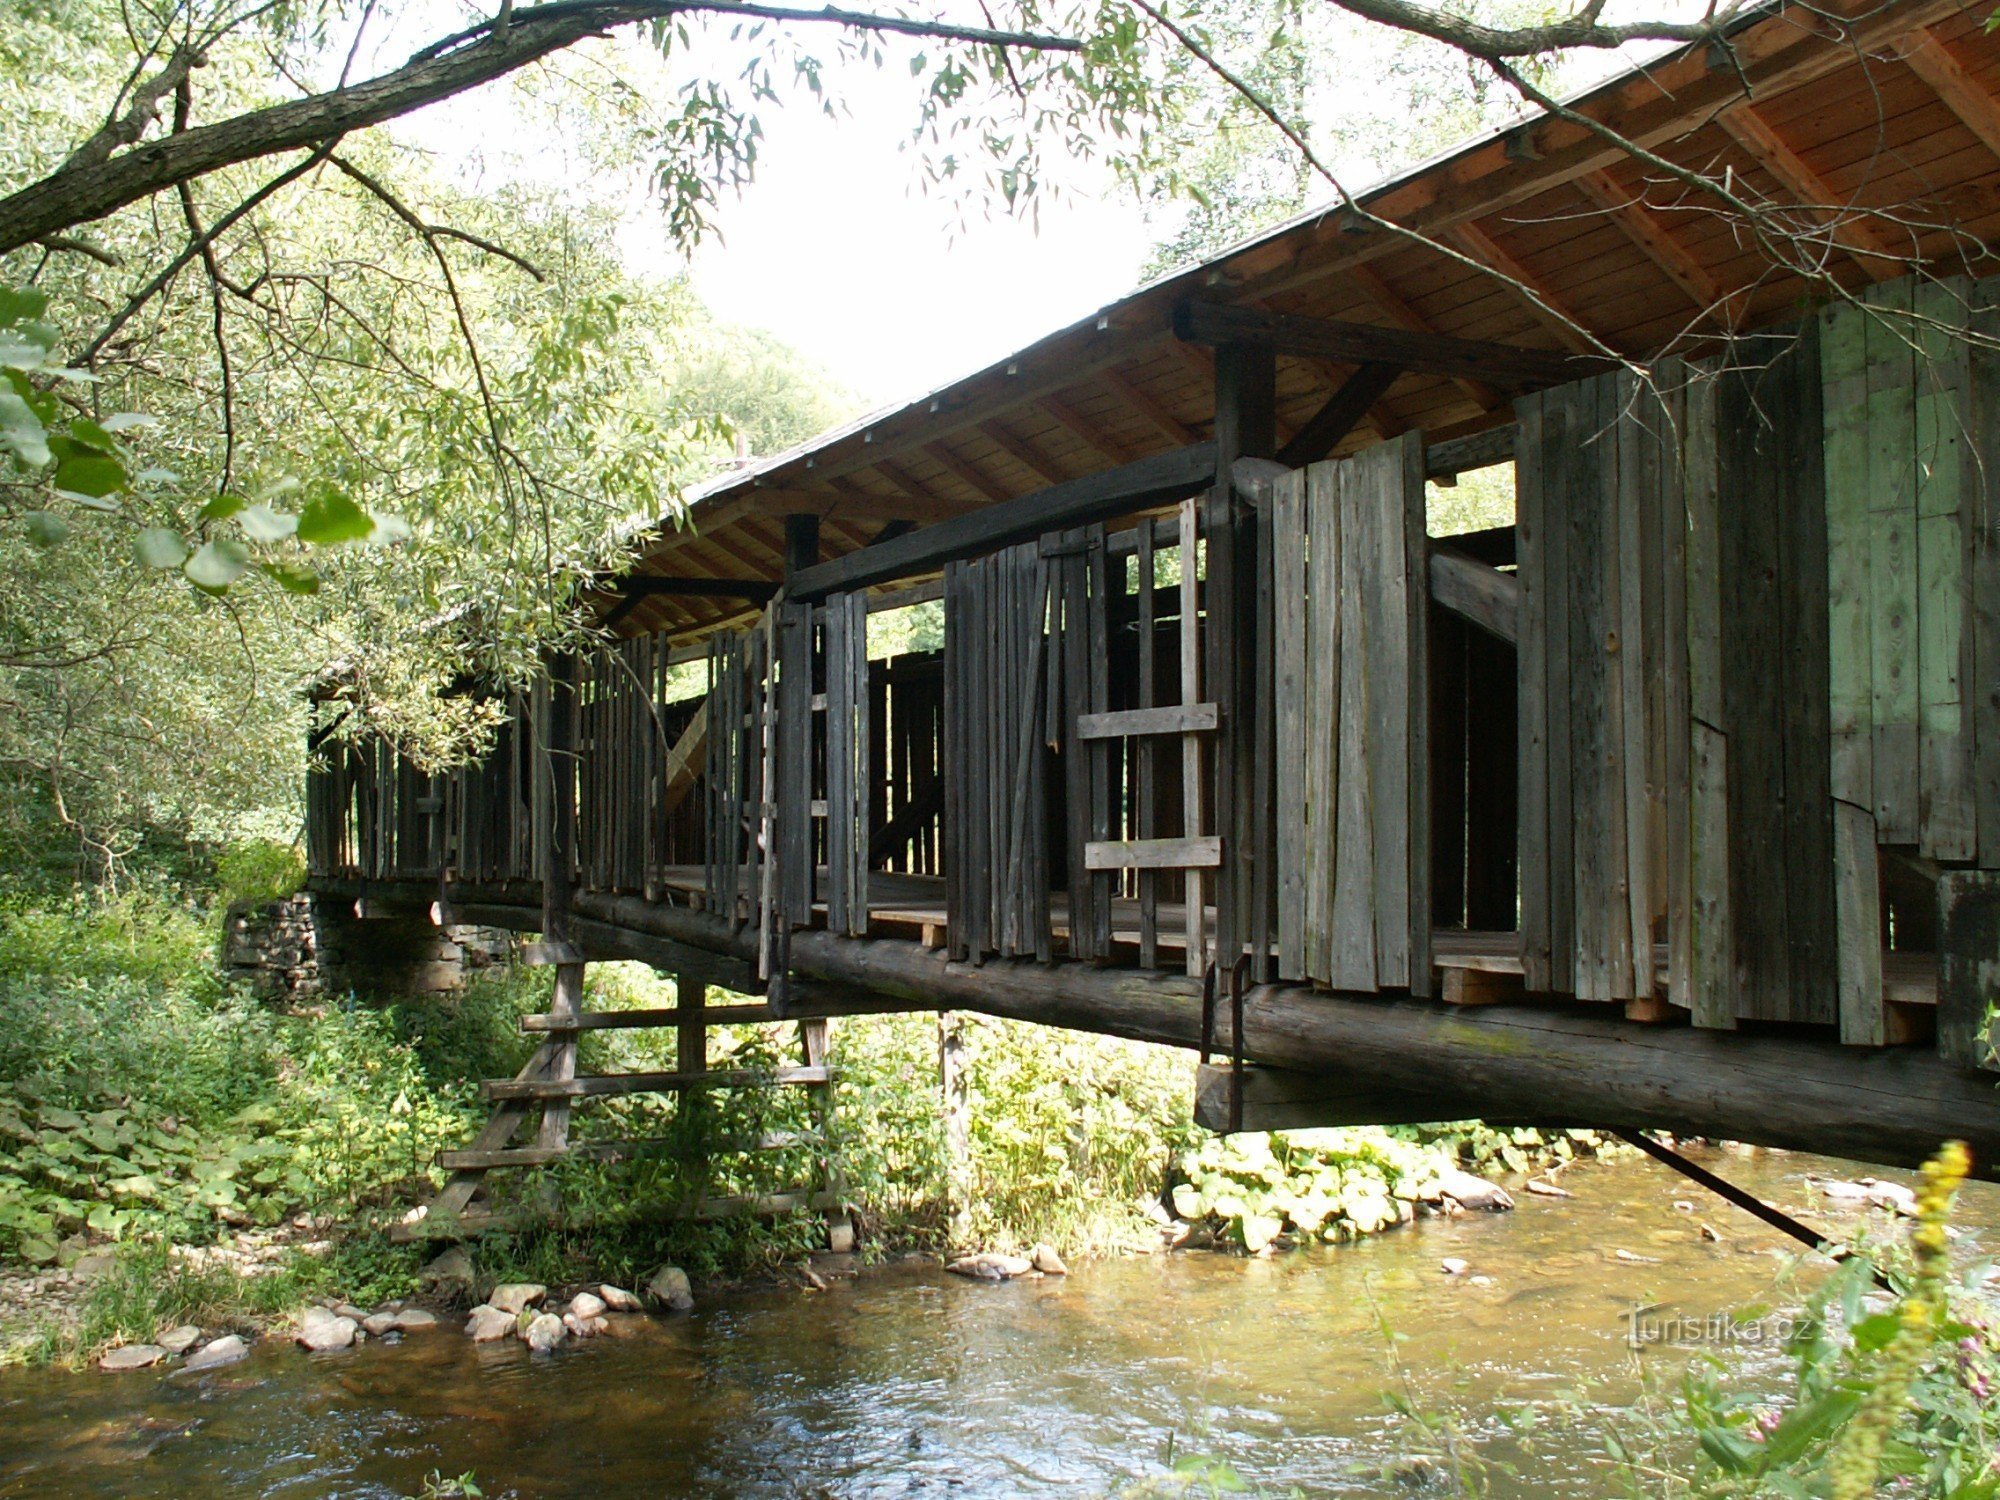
(292, 578)
(221, 508)
(217, 565)
(126, 421)
(93, 475)
(331, 518)
(90, 435)
(22, 431)
(46, 528)
(21, 304)
(160, 547)
(262, 524)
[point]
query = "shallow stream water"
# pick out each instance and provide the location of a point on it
(909, 1382)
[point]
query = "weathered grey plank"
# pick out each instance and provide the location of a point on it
(1531, 567)
(1289, 615)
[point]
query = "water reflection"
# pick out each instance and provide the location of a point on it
(911, 1383)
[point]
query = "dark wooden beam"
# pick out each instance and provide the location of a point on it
(1344, 408)
(801, 542)
(652, 586)
(1364, 343)
(1514, 1062)
(1473, 591)
(1075, 502)
(1481, 450)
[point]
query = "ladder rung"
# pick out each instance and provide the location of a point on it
(1173, 718)
(633, 1020)
(549, 955)
(1155, 854)
(651, 1083)
(542, 1156)
(761, 1205)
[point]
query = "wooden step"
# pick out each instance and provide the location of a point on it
(641, 1150)
(1174, 718)
(1203, 853)
(741, 1206)
(651, 1083)
(633, 1020)
(548, 955)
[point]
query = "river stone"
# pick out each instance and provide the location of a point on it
(543, 1333)
(619, 1300)
(1472, 1192)
(349, 1310)
(321, 1331)
(588, 1305)
(989, 1266)
(515, 1296)
(1048, 1262)
(131, 1357)
(669, 1286)
(415, 1320)
(585, 1328)
(1451, 1265)
(180, 1340)
(488, 1323)
(379, 1323)
(226, 1350)
(451, 1274)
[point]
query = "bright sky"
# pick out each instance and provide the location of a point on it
(837, 249)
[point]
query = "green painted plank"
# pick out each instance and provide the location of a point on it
(1893, 646)
(1948, 828)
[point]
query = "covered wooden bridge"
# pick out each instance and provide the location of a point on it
(1673, 804)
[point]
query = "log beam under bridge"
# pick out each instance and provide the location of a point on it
(1535, 1065)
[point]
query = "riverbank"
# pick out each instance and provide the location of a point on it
(1098, 1383)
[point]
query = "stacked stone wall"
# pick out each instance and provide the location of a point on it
(306, 947)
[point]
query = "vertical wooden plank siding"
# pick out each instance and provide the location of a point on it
(1405, 473)
(1892, 561)
(1321, 734)
(1532, 720)
(1711, 943)
(1983, 501)
(1288, 645)
(1947, 823)
(1146, 791)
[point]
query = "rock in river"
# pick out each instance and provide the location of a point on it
(1047, 1261)
(131, 1357)
(543, 1333)
(488, 1323)
(1474, 1192)
(513, 1296)
(226, 1350)
(619, 1300)
(989, 1266)
(321, 1330)
(669, 1287)
(587, 1305)
(180, 1340)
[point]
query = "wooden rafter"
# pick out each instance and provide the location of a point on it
(1023, 453)
(901, 478)
(1169, 426)
(1347, 406)
(1852, 230)
(1085, 430)
(965, 472)
(1630, 215)
(1651, 109)
(1369, 343)
(1931, 60)
(1549, 312)
(1376, 286)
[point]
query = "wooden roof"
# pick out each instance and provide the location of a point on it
(1900, 112)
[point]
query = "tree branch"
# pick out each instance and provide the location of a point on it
(83, 190)
(1581, 29)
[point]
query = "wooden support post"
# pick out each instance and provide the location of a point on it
(955, 1102)
(1246, 376)
(691, 1030)
(558, 865)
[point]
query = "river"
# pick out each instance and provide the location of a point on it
(905, 1381)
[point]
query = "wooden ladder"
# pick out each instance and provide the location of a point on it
(547, 1086)
(1190, 719)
